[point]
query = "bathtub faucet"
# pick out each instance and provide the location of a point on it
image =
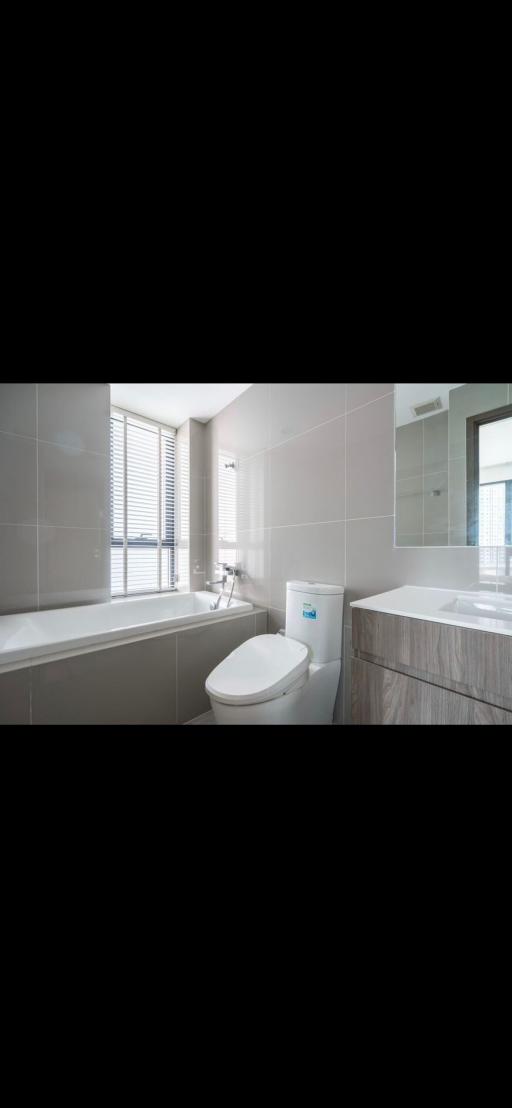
(227, 570)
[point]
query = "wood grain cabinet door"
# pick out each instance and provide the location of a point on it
(383, 696)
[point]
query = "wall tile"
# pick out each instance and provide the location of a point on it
(307, 479)
(131, 684)
(18, 479)
(409, 451)
(18, 408)
(435, 502)
(75, 415)
(370, 462)
(241, 429)
(18, 569)
(73, 488)
(314, 552)
(276, 620)
(360, 393)
(15, 697)
(435, 443)
(74, 566)
(409, 507)
(295, 408)
(253, 493)
(253, 557)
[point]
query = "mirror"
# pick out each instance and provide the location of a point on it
(453, 464)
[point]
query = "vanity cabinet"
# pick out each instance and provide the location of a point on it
(420, 672)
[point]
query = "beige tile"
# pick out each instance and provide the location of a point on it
(75, 415)
(241, 429)
(131, 684)
(200, 649)
(74, 566)
(409, 507)
(370, 465)
(197, 506)
(457, 498)
(435, 443)
(309, 553)
(15, 697)
(435, 503)
(364, 394)
(18, 479)
(307, 477)
(253, 493)
(435, 538)
(18, 408)
(197, 448)
(73, 488)
(253, 558)
(18, 569)
(409, 451)
(295, 408)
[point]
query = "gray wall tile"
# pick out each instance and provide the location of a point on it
(73, 488)
(305, 554)
(295, 408)
(18, 408)
(73, 566)
(15, 697)
(364, 394)
(75, 415)
(18, 479)
(132, 684)
(409, 451)
(307, 477)
(370, 461)
(74, 491)
(18, 568)
(435, 442)
(470, 400)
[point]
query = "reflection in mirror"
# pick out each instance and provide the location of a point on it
(445, 468)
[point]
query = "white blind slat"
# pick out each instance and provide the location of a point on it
(142, 506)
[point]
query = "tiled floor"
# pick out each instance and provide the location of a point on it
(206, 718)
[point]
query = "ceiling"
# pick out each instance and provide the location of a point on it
(174, 404)
(407, 395)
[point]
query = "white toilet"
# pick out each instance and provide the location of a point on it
(291, 678)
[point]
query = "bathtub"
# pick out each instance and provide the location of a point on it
(34, 638)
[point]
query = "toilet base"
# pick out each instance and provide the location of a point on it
(312, 703)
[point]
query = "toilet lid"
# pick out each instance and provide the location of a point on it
(260, 669)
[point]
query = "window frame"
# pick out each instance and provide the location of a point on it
(125, 546)
(473, 424)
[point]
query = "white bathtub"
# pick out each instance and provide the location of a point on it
(35, 637)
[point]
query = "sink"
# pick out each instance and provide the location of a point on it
(490, 608)
(483, 611)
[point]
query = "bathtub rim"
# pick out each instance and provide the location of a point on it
(108, 640)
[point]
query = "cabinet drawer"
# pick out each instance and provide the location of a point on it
(384, 696)
(458, 658)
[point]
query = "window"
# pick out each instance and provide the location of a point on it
(496, 514)
(142, 505)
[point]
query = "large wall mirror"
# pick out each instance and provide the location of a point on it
(453, 465)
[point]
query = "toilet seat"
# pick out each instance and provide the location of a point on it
(261, 669)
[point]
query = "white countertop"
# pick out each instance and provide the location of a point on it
(482, 611)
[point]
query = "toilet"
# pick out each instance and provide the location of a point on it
(291, 678)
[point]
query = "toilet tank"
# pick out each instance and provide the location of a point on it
(314, 616)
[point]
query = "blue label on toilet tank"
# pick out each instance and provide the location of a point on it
(308, 612)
